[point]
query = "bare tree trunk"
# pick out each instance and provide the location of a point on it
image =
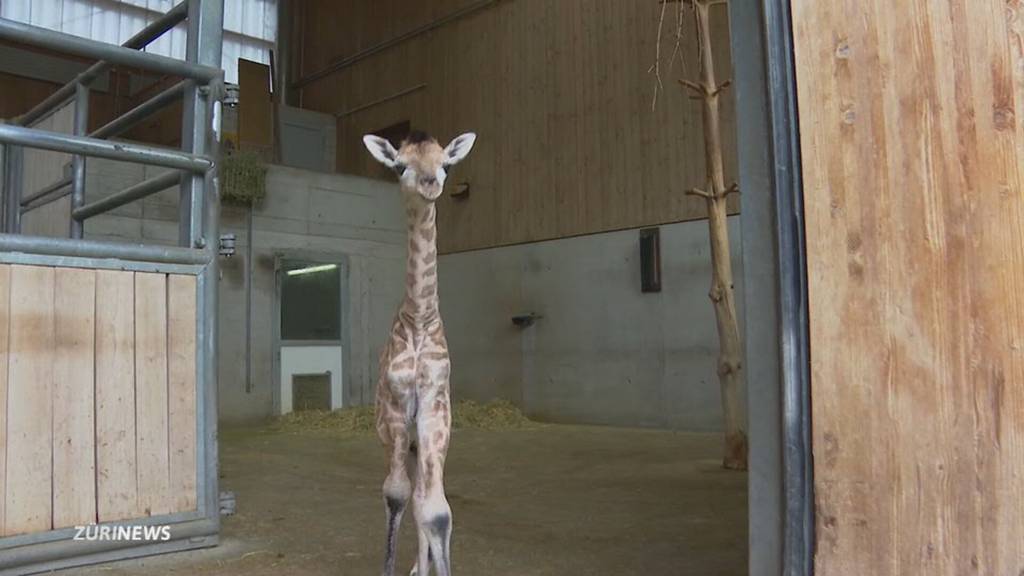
(722, 294)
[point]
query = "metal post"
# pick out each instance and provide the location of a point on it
(205, 41)
(3, 187)
(209, 298)
(12, 184)
(78, 162)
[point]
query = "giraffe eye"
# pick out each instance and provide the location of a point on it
(400, 168)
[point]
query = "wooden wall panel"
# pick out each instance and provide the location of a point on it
(98, 413)
(116, 468)
(30, 402)
(181, 347)
(912, 146)
(74, 422)
(558, 92)
(151, 407)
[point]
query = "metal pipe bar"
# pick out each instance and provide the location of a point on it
(198, 128)
(123, 123)
(86, 146)
(363, 54)
(59, 184)
(130, 194)
(69, 548)
(100, 249)
(14, 166)
(66, 43)
(3, 187)
(78, 161)
(61, 192)
(210, 322)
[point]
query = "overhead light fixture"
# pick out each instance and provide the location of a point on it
(312, 269)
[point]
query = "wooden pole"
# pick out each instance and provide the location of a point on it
(722, 294)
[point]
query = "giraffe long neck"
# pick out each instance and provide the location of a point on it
(421, 304)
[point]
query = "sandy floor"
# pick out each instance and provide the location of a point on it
(552, 501)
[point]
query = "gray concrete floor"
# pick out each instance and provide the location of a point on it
(545, 501)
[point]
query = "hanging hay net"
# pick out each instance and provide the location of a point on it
(243, 176)
(496, 415)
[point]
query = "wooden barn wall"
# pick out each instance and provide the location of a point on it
(912, 154)
(559, 93)
(97, 396)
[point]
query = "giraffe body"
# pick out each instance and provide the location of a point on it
(413, 402)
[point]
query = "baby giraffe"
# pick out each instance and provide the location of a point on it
(413, 401)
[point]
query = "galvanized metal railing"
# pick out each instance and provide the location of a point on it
(193, 169)
(201, 86)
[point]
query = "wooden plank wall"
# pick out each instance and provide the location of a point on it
(559, 93)
(97, 396)
(912, 153)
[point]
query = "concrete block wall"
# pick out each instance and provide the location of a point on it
(603, 352)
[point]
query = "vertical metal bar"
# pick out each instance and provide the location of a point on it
(248, 297)
(205, 42)
(201, 134)
(209, 297)
(78, 161)
(15, 166)
(3, 187)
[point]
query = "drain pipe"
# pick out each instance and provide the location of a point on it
(248, 299)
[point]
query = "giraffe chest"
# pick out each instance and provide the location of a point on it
(419, 360)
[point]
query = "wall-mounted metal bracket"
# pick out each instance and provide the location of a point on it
(526, 320)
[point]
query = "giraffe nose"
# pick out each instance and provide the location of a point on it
(428, 181)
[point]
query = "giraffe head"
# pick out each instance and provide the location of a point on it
(421, 164)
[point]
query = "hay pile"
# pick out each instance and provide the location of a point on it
(495, 415)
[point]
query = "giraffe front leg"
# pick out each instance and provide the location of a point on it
(423, 559)
(434, 522)
(397, 490)
(430, 506)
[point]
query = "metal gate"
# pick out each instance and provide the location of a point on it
(108, 375)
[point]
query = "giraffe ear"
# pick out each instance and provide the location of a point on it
(459, 148)
(382, 150)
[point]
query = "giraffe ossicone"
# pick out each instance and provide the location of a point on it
(413, 403)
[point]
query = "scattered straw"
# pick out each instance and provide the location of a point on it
(496, 415)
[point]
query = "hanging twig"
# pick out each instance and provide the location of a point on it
(656, 67)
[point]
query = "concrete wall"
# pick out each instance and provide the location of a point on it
(603, 352)
(305, 213)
